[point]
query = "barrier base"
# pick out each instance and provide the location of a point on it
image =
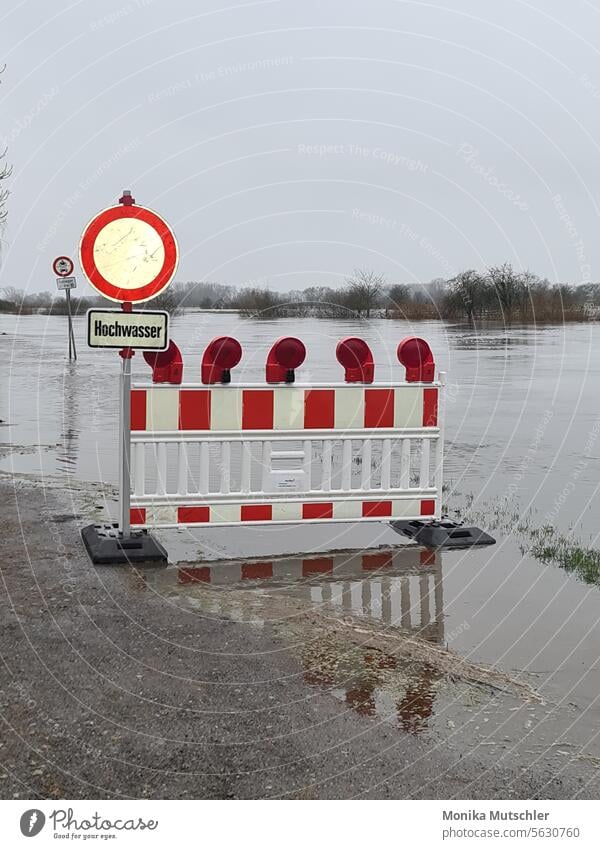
(107, 547)
(443, 534)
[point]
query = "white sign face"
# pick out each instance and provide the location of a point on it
(145, 331)
(130, 252)
(66, 283)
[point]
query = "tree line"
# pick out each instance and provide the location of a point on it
(498, 294)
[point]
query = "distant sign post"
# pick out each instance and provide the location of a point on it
(129, 254)
(63, 267)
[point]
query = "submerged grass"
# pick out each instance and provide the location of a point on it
(550, 546)
(546, 543)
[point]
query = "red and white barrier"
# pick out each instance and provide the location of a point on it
(224, 454)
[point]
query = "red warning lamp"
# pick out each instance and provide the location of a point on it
(167, 366)
(416, 357)
(286, 355)
(357, 359)
(220, 356)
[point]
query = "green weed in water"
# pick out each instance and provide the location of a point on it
(546, 544)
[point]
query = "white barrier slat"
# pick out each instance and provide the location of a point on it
(225, 468)
(246, 466)
(347, 465)
(266, 465)
(161, 469)
(326, 465)
(386, 464)
(182, 472)
(307, 463)
(139, 479)
(204, 468)
(366, 455)
(405, 464)
(424, 471)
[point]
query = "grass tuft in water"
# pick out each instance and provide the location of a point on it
(546, 544)
(550, 546)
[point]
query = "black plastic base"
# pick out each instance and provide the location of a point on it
(106, 547)
(443, 534)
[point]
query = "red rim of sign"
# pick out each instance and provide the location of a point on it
(105, 287)
(62, 273)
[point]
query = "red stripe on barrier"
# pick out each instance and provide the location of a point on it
(194, 409)
(377, 508)
(317, 566)
(317, 511)
(430, 407)
(251, 571)
(319, 408)
(137, 515)
(138, 409)
(190, 515)
(257, 409)
(196, 575)
(371, 562)
(379, 408)
(256, 512)
(427, 557)
(427, 508)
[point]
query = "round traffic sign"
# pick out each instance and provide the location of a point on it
(128, 253)
(62, 266)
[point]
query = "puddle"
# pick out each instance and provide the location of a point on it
(408, 679)
(373, 629)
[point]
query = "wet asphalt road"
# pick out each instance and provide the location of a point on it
(108, 692)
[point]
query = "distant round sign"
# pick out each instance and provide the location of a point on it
(128, 253)
(63, 266)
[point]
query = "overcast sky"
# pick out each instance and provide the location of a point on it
(289, 141)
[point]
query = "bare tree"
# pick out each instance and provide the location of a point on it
(364, 290)
(469, 291)
(508, 286)
(5, 172)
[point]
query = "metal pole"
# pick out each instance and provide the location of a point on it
(72, 329)
(68, 295)
(125, 445)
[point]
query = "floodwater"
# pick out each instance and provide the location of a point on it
(522, 439)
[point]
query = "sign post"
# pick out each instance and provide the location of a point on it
(125, 444)
(63, 268)
(129, 255)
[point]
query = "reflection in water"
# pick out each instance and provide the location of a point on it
(68, 447)
(397, 588)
